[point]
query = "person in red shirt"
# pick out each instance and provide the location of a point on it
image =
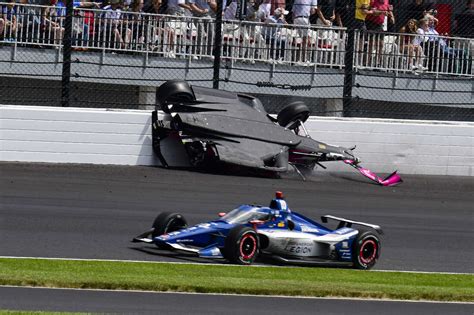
(375, 25)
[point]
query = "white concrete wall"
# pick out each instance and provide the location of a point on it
(99, 136)
(412, 147)
(72, 135)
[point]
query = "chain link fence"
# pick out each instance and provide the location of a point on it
(114, 57)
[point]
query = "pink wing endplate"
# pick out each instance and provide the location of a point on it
(391, 180)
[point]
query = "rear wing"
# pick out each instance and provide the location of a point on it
(348, 223)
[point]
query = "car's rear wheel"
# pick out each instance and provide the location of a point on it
(168, 222)
(174, 91)
(241, 245)
(365, 250)
(292, 113)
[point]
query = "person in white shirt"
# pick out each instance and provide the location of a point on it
(302, 9)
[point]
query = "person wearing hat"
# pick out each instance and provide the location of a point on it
(274, 34)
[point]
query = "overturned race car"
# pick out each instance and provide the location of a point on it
(222, 128)
(275, 232)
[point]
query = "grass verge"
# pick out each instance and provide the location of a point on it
(319, 282)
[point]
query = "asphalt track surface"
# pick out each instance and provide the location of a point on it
(177, 303)
(87, 211)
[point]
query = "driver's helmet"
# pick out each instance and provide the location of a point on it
(280, 207)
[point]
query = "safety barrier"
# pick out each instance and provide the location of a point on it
(123, 137)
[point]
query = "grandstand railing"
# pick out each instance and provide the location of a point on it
(242, 41)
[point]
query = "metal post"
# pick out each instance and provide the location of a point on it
(217, 45)
(349, 64)
(67, 47)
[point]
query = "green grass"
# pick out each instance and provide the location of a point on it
(320, 282)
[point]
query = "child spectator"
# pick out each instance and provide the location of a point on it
(411, 45)
(8, 21)
(54, 20)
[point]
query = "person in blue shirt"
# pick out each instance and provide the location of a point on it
(8, 21)
(274, 34)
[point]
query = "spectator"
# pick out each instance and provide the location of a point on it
(361, 11)
(54, 20)
(277, 4)
(162, 36)
(275, 35)
(114, 27)
(411, 45)
(264, 10)
(302, 9)
(438, 49)
(325, 13)
(205, 27)
(8, 21)
(230, 11)
(341, 10)
(418, 9)
(375, 22)
(136, 24)
(464, 21)
(156, 7)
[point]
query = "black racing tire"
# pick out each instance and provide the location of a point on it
(168, 222)
(293, 112)
(241, 245)
(174, 91)
(366, 250)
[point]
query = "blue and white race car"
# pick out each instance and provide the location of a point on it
(275, 231)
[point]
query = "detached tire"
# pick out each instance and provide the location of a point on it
(174, 91)
(366, 250)
(290, 115)
(241, 245)
(168, 222)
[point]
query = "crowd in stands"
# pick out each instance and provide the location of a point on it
(123, 22)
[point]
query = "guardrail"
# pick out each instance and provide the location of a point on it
(245, 41)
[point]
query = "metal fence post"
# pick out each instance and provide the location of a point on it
(349, 65)
(67, 47)
(217, 45)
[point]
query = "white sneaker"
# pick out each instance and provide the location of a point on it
(413, 67)
(422, 68)
(170, 54)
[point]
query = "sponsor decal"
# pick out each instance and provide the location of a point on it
(283, 204)
(322, 146)
(281, 224)
(299, 249)
(305, 228)
(215, 252)
(345, 245)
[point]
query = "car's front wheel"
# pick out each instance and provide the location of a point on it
(293, 113)
(241, 245)
(168, 222)
(366, 250)
(172, 92)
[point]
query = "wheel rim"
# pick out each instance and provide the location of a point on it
(248, 246)
(368, 251)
